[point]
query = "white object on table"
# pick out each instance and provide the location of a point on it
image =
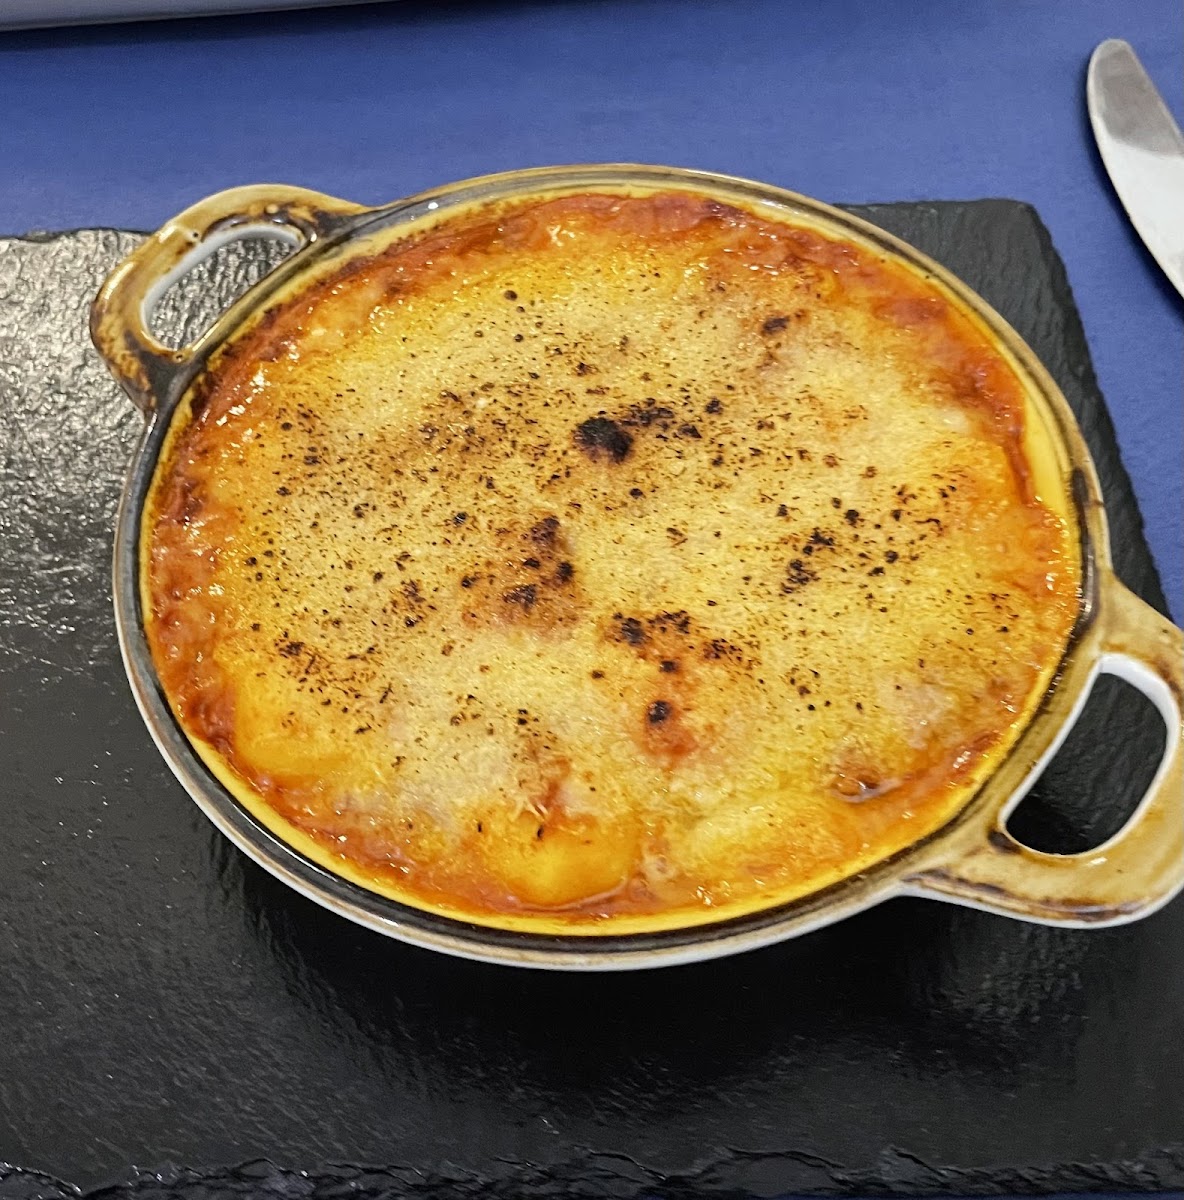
(30, 14)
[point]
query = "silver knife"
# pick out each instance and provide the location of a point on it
(1142, 149)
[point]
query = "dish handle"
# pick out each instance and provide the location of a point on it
(121, 316)
(1134, 872)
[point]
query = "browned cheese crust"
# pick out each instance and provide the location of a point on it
(605, 562)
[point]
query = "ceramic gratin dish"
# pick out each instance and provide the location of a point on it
(971, 860)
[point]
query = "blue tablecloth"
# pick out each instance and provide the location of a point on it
(848, 100)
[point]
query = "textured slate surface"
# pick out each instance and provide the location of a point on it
(163, 1001)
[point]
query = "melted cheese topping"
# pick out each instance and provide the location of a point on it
(602, 563)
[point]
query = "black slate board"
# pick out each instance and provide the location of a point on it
(164, 1001)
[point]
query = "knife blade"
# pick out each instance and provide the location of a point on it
(1143, 151)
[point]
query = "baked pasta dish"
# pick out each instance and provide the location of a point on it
(607, 562)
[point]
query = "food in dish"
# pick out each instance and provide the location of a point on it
(607, 562)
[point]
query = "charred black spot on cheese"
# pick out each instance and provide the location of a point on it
(658, 712)
(630, 630)
(774, 324)
(719, 649)
(818, 541)
(603, 438)
(797, 575)
(545, 532)
(528, 578)
(647, 414)
(680, 621)
(526, 595)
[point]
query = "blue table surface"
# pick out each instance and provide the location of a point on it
(847, 100)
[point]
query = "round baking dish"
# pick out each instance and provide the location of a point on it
(971, 860)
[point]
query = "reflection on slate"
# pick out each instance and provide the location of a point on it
(165, 1003)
